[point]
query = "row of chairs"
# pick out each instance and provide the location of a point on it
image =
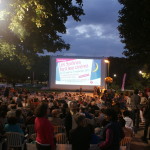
(17, 140)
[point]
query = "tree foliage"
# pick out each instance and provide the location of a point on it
(134, 28)
(14, 71)
(134, 80)
(28, 27)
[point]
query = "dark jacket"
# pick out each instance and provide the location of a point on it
(68, 123)
(135, 101)
(80, 138)
(146, 113)
(112, 137)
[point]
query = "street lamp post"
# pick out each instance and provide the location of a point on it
(108, 65)
(107, 62)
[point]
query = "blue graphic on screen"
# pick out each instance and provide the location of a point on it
(96, 67)
(57, 72)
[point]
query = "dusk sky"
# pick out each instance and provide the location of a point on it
(96, 35)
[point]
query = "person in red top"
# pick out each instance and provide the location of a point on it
(43, 128)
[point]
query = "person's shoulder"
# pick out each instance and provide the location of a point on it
(127, 118)
(40, 119)
(6, 126)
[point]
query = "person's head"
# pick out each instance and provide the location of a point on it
(110, 114)
(82, 110)
(136, 91)
(122, 122)
(93, 103)
(13, 105)
(42, 110)
(30, 113)
(3, 114)
(12, 102)
(97, 131)
(104, 122)
(126, 113)
(127, 93)
(18, 113)
(55, 112)
(12, 120)
(79, 119)
(73, 106)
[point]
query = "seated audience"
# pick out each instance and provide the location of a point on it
(12, 125)
(55, 120)
(30, 118)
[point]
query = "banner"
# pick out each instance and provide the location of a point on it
(123, 82)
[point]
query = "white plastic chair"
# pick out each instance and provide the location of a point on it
(1, 143)
(15, 140)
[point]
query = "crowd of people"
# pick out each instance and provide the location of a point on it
(103, 119)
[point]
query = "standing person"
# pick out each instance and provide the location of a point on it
(95, 91)
(6, 92)
(143, 104)
(80, 90)
(43, 128)
(135, 103)
(128, 98)
(113, 132)
(70, 122)
(98, 92)
(80, 136)
(146, 115)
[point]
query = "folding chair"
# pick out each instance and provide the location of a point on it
(59, 129)
(125, 143)
(15, 140)
(61, 138)
(1, 143)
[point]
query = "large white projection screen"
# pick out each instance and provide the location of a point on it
(72, 72)
(78, 71)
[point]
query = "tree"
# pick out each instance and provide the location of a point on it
(13, 71)
(40, 69)
(134, 28)
(134, 80)
(28, 27)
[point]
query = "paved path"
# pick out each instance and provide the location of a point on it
(137, 143)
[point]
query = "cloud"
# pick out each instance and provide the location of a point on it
(96, 34)
(94, 31)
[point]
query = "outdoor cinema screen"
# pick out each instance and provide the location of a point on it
(72, 71)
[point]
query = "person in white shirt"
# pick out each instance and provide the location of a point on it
(129, 121)
(143, 102)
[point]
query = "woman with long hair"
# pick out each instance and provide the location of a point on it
(43, 128)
